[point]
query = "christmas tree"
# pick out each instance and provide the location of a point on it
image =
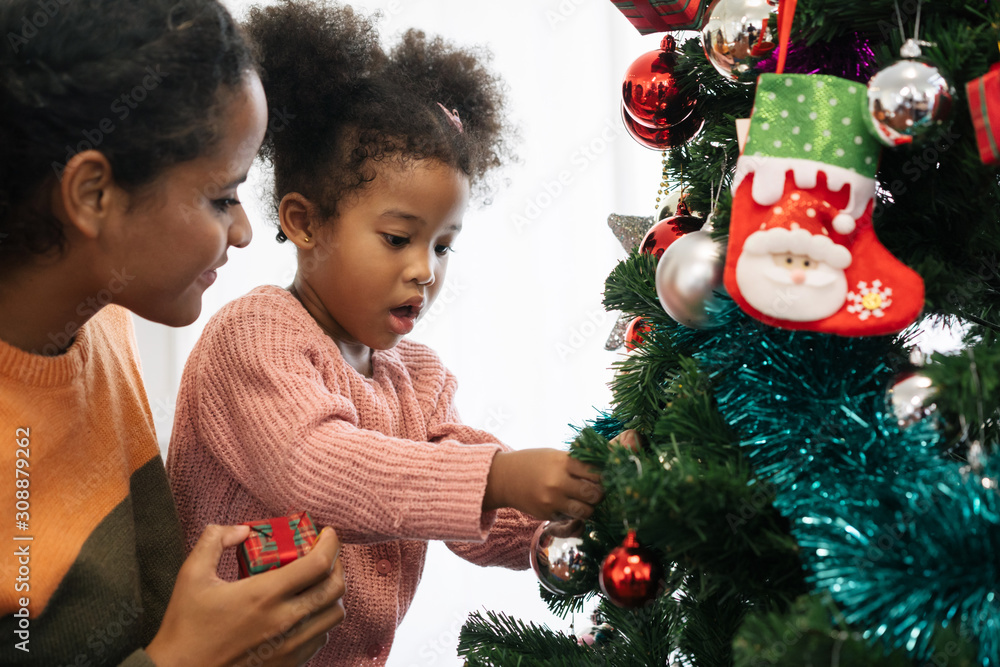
(809, 489)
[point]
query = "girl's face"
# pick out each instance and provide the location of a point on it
(382, 261)
(172, 236)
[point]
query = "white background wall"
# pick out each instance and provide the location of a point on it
(520, 319)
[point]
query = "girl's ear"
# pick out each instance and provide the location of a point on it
(85, 196)
(299, 220)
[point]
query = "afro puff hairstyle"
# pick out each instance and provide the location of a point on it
(349, 104)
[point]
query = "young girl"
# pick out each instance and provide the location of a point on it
(125, 128)
(310, 397)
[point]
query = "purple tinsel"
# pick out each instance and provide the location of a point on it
(850, 57)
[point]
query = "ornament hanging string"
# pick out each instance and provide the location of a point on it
(716, 193)
(911, 47)
(974, 458)
(916, 29)
(978, 388)
(709, 223)
(638, 465)
(786, 14)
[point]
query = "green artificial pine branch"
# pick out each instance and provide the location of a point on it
(829, 20)
(631, 288)
(692, 420)
(591, 447)
(968, 392)
(704, 517)
(703, 166)
(711, 622)
(698, 507)
(640, 383)
(501, 641)
(563, 606)
(813, 632)
(642, 638)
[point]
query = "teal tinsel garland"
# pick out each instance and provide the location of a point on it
(902, 539)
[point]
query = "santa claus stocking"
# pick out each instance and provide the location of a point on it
(802, 250)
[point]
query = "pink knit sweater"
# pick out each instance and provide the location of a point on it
(271, 419)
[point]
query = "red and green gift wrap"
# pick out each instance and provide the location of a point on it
(275, 542)
(984, 104)
(649, 16)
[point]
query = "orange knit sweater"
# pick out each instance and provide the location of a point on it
(271, 419)
(95, 559)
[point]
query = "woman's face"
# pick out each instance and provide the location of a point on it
(168, 239)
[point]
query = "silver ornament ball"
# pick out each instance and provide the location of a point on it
(558, 560)
(907, 99)
(687, 277)
(736, 35)
(910, 398)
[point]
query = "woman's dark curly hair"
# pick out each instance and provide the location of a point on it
(141, 81)
(350, 104)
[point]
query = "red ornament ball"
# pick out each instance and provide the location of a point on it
(650, 94)
(631, 575)
(661, 139)
(634, 331)
(666, 231)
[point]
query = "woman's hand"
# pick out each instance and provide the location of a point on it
(210, 622)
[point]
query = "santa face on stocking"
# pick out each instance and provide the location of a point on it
(794, 272)
(802, 250)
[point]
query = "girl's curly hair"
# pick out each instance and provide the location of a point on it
(350, 104)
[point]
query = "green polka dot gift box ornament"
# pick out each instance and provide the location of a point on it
(802, 251)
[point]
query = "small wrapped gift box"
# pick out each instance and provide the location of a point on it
(275, 542)
(649, 16)
(984, 104)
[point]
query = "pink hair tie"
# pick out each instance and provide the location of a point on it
(452, 117)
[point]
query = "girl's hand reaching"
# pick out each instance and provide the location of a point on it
(545, 483)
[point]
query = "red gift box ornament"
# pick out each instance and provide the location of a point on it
(275, 542)
(984, 105)
(649, 16)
